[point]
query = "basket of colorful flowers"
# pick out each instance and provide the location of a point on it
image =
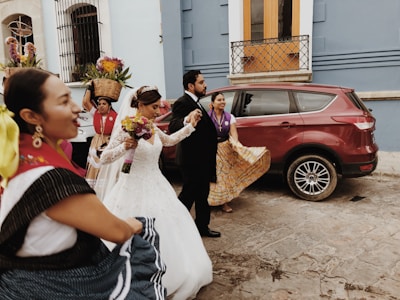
(107, 77)
(19, 60)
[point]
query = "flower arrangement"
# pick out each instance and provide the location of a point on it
(138, 127)
(17, 59)
(108, 68)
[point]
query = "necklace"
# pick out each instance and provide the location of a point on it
(221, 120)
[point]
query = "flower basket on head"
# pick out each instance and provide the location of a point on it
(18, 60)
(107, 77)
(103, 87)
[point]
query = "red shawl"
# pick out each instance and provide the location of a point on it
(108, 126)
(31, 157)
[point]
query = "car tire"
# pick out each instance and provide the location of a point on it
(312, 177)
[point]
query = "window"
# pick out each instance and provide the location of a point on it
(285, 19)
(259, 102)
(229, 97)
(257, 20)
(312, 101)
(21, 29)
(79, 34)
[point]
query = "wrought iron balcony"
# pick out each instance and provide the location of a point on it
(270, 55)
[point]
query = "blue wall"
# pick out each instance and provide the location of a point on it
(357, 44)
(195, 36)
(387, 123)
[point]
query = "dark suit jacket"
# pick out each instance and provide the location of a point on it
(197, 152)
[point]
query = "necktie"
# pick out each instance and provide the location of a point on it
(201, 106)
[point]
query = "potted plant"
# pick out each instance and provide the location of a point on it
(107, 77)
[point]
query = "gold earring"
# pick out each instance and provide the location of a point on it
(37, 137)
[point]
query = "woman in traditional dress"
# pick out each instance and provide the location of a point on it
(103, 121)
(145, 191)
(237, 166)
(51, 221)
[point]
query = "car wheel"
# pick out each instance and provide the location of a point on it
(312, 177)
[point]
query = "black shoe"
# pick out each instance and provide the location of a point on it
(210, 233)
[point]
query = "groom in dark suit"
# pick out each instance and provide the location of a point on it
(196, 155)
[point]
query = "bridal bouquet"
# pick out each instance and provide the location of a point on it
(138, 127)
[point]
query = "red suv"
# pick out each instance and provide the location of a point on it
(314, 132)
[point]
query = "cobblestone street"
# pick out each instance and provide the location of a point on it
(274, 246)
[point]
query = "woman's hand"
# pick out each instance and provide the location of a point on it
(130, 143)
(195, 117)
(135, 224)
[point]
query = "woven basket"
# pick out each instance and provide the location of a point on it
(107, 88)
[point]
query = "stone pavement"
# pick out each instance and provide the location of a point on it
(277, 247)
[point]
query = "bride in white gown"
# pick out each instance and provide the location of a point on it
(145, 191)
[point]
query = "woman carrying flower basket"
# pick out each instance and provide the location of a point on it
(19, 60)
(107, 77)
(104, 117)
(141, 189)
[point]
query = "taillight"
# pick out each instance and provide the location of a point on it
(361, 122)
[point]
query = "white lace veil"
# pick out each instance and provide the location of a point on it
(108, 174)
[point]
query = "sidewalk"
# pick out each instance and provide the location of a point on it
(388, 164)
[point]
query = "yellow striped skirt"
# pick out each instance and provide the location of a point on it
(237, 167)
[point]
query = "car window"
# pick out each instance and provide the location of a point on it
(205, 102)
(229, 96)
(262, 102)
(312, 101)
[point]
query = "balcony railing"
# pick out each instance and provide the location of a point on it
(270, 55)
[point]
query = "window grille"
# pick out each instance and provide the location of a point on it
(79, 36)
(15, 25)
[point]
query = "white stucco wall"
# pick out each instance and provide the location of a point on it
(130, 30)
(306, 23)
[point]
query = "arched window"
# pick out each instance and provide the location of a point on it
(86, 34)
(21, 28)
(18, 26)
(78, 36)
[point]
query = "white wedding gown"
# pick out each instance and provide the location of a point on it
(146, 192)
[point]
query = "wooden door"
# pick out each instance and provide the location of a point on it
(275, 20)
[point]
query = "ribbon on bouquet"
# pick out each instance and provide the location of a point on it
(126, 167)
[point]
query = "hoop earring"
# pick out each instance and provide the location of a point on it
(37, 137)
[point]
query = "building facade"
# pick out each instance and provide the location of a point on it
(231, 41)
(319, 41)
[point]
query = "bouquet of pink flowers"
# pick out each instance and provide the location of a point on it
(138, 127)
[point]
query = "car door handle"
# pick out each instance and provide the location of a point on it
(287, 124)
